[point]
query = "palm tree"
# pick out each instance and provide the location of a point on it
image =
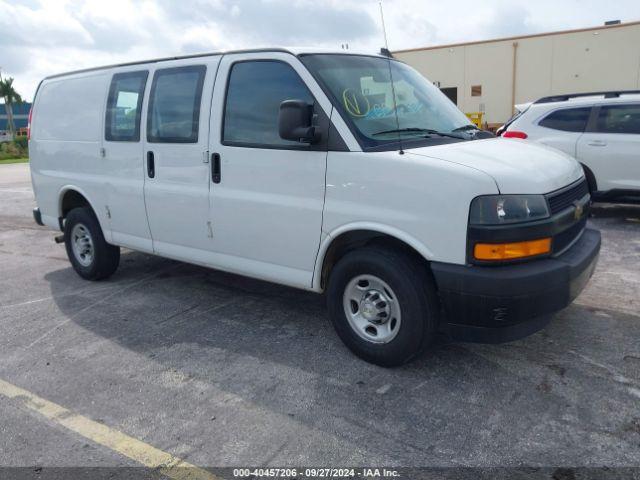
(10, 96)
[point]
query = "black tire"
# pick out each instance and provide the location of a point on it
(105, 258)
(415, 292)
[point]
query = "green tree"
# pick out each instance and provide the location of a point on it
(10, 96)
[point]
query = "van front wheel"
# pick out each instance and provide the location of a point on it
(383, 305)
(89, 253)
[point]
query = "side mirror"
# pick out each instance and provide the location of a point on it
(295, 122)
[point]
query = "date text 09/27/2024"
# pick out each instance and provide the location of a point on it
(315, 473)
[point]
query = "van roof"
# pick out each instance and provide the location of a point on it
(291, 50)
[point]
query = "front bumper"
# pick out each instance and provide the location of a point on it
(503, 303)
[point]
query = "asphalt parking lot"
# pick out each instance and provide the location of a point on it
(219, 370)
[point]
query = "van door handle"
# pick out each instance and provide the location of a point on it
(215, 168)
(598, 143)
(151, 165)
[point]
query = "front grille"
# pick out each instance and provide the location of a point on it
(563, 239)
(564, 198)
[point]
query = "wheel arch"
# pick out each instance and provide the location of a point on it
(71, 197)
(348, 237)
(591, 178)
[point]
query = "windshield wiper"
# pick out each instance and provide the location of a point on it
(427, 131)
(465, 127)
(403, 130)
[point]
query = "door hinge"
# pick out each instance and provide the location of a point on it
(106, 207)
(103, 152)
(205, 156)
(210, 235)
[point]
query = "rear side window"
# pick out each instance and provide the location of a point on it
(124, 106)
(174, 105)
(254, 94)
(619, 119)
(567, 120)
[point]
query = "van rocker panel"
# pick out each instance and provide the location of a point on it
(494, 304)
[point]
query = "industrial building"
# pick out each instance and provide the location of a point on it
(20, 116)
(491, 76)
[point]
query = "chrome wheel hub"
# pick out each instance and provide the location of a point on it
(375, 306)
(372, 309)
(82, 245)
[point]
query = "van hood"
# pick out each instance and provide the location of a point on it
(517, 166)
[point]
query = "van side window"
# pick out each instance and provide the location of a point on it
(124, 107)
(254, 94)
(567, 120)
(174, 105)
(619, 119)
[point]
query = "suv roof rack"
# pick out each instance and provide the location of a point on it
(565, 97)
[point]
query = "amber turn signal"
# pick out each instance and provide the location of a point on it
(510, 251)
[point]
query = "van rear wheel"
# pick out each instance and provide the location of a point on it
(89, 253)
(383, 305)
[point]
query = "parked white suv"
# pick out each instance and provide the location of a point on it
(601, 130)
(312, 170)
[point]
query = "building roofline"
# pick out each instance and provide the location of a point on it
(534, 35)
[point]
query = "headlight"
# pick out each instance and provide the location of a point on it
(505, 209)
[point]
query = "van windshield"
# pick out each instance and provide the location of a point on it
(362, 90)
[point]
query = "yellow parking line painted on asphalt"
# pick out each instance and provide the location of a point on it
(137, 450)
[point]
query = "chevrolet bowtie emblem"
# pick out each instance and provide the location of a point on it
(577, 213)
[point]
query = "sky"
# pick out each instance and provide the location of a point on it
(44, 37)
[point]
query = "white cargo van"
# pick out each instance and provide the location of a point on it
(315, 170)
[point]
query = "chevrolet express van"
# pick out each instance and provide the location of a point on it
(344, 174)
